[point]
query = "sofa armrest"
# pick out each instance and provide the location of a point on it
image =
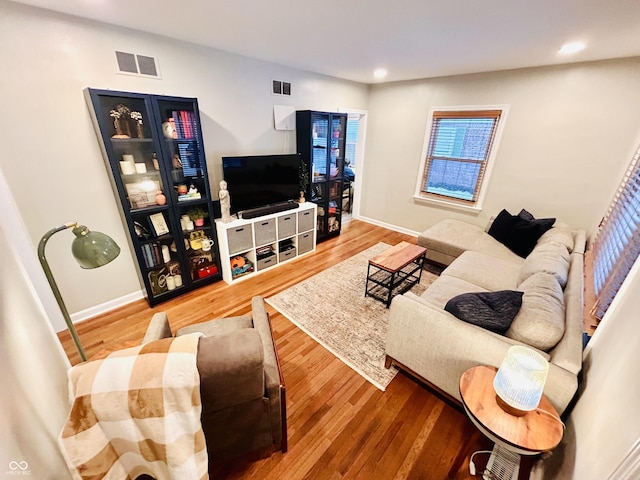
(158, 328)
(231, 368)
(274, 382)
(263, 326)
(568, 352)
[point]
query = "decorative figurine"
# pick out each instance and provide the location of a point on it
(225, 202)
(121, 115)
(137, 118)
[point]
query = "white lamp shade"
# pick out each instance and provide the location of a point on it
(520, 379)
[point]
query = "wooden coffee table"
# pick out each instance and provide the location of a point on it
(394, 271)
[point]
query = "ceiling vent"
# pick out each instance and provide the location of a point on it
(278, 87)
(132, 64)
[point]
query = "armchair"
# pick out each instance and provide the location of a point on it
(241, 385)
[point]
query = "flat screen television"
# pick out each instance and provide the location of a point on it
(260, 180)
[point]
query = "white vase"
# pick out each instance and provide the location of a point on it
(168, 130)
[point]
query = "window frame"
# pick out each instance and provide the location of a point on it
(450, 202)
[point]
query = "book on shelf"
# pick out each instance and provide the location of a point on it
(189, 159)
(185, 123)
(189, 196)
(159, 224)
(157, 254)
(146, 253)
(152, 253)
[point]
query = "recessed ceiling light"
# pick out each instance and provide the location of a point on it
(573, 47)
(380, 73)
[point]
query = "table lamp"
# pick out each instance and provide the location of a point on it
(91, 250)
(520, 380)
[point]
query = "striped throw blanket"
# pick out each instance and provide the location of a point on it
(136, 412)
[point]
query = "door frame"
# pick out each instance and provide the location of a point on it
(360, 157)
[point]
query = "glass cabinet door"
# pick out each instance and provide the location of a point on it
(319, 196)
(320, 139)
(189, 187)
(334, 210)
(336, 153)
(135, 160)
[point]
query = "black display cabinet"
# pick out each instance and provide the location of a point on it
(152, 147)
(320, 138)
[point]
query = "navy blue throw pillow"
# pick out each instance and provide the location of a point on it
(491, 310)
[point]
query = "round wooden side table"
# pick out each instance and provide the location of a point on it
(535, 432)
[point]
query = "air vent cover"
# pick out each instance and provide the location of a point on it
(133, 64)
(127, 62)
(278, 87)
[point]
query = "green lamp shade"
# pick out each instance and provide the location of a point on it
(93, 249)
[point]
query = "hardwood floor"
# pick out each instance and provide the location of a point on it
(339, 425)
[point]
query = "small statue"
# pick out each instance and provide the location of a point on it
(225, 202)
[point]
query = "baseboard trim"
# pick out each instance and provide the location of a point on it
(105, 307)
(389, 226)
(132, 297)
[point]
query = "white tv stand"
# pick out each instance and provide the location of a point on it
(265, 241)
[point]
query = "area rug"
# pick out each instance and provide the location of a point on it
(332, 309)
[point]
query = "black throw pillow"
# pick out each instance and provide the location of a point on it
(519, 232)
(527, 232)
(502, 226)
(491, 310)
(526, 215)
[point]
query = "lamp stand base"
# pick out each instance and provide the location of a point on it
(509, 409)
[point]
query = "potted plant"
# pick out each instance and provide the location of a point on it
(197, 215)
(303, 179)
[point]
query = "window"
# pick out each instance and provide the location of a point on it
(617, 243)
(351, 142)
(459, 146)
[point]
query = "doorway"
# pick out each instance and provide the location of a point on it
(354, 160)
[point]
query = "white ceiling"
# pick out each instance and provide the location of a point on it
(412, 39)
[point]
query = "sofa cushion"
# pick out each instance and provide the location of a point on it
(488, 245)
(449, 238)
(231, 368)
(552, 258)
(488, 272)
(519, 232)
(446, 287)
(560, 233)
(541, 319)
(220, 326)
(491, 310)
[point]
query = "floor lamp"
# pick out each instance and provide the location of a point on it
(91, 250)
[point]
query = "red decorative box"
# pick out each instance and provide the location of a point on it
(207, 271)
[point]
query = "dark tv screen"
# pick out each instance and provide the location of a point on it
(261, 180)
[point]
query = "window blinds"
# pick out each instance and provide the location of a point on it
(459, 146)
(617, 243)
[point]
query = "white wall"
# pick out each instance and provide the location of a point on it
(566, 141)
(604, 425)
(50, 154)
(33, 398)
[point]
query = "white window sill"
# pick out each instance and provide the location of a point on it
(445, 204)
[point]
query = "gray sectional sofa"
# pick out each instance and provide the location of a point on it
(438, 347)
